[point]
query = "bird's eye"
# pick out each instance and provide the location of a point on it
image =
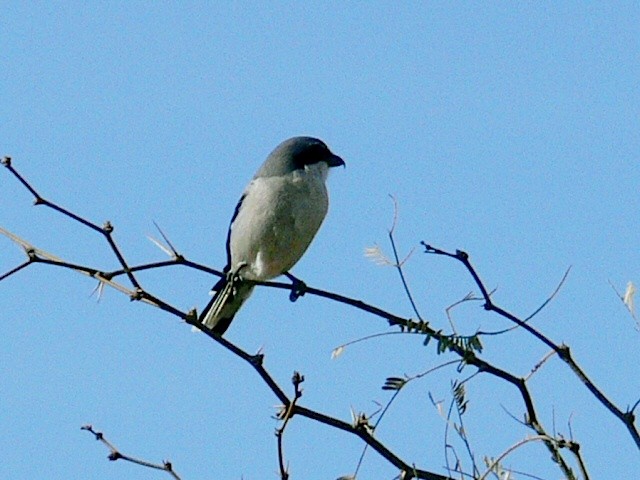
(314, 153)
(319, 150)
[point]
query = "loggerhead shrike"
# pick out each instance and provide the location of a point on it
(275, 220)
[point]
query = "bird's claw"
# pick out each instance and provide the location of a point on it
(234, 278)
(298, 290)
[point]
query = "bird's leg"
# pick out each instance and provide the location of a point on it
(234, 277)
(299, 287)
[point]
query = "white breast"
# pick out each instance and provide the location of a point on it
(277, 221)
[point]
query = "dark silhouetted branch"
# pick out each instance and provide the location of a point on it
(563, 351)
(467, 348)
(285, 415)
(115, 454)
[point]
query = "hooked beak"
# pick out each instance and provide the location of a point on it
(335, 161)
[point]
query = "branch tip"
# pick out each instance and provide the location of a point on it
(297, 379)
(427, 248)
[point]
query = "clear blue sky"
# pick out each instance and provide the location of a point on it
(510, 131)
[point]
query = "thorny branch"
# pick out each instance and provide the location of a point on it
(563, 351)
(465, 348)
(398, 264)
(115, 454)
(536, 311)
(137, 293)
(254, 360)
(285, 415)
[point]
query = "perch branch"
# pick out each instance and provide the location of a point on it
(446, 342)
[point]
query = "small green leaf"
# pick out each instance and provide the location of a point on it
(394, 383)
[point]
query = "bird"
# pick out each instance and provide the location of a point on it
(273, 224)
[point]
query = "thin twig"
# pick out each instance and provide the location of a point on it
(15, 270)
(460, 430)
(538, 310)
(551, 297)
(115, 454)
(285, 416)
(495, 462)
(398, 264)
(398, 388)
(106, 230)
(563, 351)
(469, 297)
(179, 261)
(336, 352)
(537, 366)
(174, 252)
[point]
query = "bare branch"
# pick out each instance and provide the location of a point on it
(256, 361)
(106, 230)
(339, 350)
(491, 465)
(536, 311)
(285, 415)
(535, 368)
(115, 454)
(466, 348)
(469, 297)
(398, 264)
(15, 270)
(551, 297)
(396, 384)
(173, 252)
(563, 351)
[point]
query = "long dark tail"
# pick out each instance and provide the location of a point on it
(229, 297)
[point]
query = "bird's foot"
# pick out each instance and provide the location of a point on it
(234, 278)
(299, 287)
(234, 275)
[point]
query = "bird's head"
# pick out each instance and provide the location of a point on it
(298, 153)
